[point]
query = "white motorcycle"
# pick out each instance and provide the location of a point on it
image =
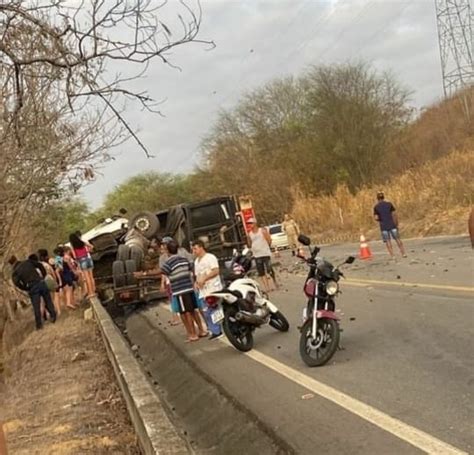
(241, 308)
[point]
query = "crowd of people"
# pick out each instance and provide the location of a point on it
(61, 281)
(189, 279)
(56, 282)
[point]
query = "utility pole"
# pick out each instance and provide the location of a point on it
(455, 20)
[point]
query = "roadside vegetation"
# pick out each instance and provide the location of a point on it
(320, 146)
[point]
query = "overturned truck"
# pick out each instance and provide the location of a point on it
(122, 245)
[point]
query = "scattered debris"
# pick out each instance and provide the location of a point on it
(88, 314)
(307, 396)
(78, 356)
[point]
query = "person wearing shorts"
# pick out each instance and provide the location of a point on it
(81, 253)
(260, 242)
(179, 272)
(385, 214)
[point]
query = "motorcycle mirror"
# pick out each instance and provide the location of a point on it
(350, 260)
(304, 240)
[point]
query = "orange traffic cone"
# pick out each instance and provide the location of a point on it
(364, 252)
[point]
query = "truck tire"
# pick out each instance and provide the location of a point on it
(147, 223)
(130, 269)
(137, 255)
(123, 253)
(118, 273)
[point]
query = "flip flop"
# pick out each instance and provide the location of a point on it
(191, 340)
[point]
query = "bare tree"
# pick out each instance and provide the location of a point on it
(61, 105)
(73, 42)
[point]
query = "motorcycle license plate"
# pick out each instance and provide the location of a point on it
(217, 316)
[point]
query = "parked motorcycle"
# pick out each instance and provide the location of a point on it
(242, 307)
(320, 331)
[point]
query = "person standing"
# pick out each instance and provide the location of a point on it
(52, 280)
(29, 276)
(292, 230)
(179, 271)
(65, 265)
(165, 282)
(386, 215)
(81, 252)
(208, 280)
(260, 242)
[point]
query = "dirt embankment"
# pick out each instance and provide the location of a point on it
(59, 394)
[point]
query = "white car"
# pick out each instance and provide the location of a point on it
(279, 237)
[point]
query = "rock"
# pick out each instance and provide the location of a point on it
(88, 314)
(135, 348)
(78, 356)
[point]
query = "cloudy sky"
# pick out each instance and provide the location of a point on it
(257, 41)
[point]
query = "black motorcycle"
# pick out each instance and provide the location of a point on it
(320, 331)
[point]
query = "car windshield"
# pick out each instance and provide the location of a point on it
(275, 229)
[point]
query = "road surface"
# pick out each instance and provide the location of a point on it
(404, 380)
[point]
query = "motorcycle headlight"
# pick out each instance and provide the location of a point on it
(331, 288)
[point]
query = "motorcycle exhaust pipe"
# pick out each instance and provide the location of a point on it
(249, 318)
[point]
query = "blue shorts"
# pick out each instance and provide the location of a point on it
(86, 263)
(393, 233)
(175, 307)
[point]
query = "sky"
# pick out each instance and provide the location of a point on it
(257, 41)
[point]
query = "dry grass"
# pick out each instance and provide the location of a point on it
(58, 401)
(433, 199)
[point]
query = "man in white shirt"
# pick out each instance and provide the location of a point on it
(208, 280)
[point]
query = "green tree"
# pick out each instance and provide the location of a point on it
(149, 191)
(59, 220)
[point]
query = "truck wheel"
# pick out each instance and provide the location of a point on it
(123, 253)
(118, 273)
(130, 269)
(147, 223)
(137, 255)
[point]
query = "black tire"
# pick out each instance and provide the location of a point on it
(137, 255)
(123, 253)
(279, 322)
(317, 353)
(240, 335)
(118, 273)
(147, 223)
(130, 269)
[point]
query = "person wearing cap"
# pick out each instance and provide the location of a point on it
(386, 215)
(260, 242)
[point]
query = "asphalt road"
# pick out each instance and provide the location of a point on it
(406, 370)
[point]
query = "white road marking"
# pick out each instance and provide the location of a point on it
(401, 430)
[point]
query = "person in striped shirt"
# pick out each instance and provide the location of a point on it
(178, 269)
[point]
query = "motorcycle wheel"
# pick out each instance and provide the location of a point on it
(279, 322)
(240, 335)
(317, 352)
